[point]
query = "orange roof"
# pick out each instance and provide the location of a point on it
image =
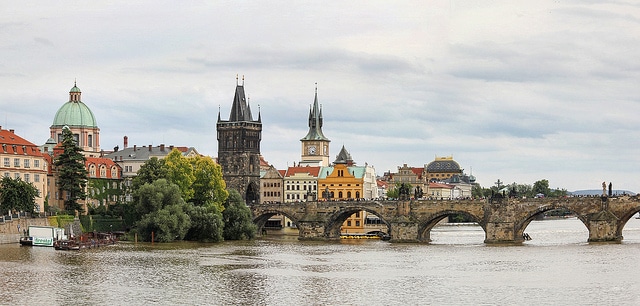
(418, 171)
(107, 162)
(282, 172)
(313, 171)
(14, 144)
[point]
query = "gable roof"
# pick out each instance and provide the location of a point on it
(11, 143)
(312, 171)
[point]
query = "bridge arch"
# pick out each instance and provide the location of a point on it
(261, 218)
(625, 218)
(424, 227)
(335, 221)
(531, 215)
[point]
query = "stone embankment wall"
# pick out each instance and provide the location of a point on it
(9, 229)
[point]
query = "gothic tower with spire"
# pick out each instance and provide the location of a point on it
(315, 146)
(239, 147)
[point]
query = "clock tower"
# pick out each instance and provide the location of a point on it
(315, 146)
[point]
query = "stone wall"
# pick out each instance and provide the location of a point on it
(9, 230)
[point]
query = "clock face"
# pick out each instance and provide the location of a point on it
(311, 150)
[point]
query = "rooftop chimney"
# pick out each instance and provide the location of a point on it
(134, 148)
(150, 147)
(162, 147)
(12, 131)
(126, 142)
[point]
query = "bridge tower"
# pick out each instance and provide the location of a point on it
(315, 146)
(239, 147)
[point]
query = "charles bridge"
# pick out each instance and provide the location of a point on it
(504, 220)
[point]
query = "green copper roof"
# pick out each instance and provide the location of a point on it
(75, 112)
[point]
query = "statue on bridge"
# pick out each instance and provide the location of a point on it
(403, 192)
(418, 193)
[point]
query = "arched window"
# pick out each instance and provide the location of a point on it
(357, 194)
(349, 194)
(340, 194)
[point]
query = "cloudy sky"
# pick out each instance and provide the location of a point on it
(514, 90)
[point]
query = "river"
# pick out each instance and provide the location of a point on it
(557, 267)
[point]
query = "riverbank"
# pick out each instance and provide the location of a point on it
(11, 231)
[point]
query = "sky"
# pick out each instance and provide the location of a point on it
(518, 91)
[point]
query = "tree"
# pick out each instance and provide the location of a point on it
(167, 224)
(153, 169)
(72, 174)
(237, 219)
(162, 211)
(18, 195)
(206, 223)
(208, 185)
(157, 195)
(180, 173)
(541, 186)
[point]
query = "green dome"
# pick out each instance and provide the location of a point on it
(75, 113)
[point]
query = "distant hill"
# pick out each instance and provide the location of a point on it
(599, 192)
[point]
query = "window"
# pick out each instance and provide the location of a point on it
(90, 140)
(36, 178)
(349, 223)
(27, 163)
(17, 176)
(103, 171)
(357, 222)
(16, 162)
(7, 162)
(36, 163)
(26, 177)
(7, 174)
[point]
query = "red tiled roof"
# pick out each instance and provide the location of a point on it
(14, 144)
(418, 171)
(98, 162)
(313, 171)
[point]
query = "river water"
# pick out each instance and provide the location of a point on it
(557, 267)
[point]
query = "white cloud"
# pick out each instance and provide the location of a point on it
(516, 91)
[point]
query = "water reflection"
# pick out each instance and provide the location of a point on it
(556, 267)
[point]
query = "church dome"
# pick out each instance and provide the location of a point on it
(75, 113)
(444, 165)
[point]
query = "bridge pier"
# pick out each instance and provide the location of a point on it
(501, 232)
(404, 231)
(311, 230)
(603, 227)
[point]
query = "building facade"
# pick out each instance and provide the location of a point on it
(239, 148)
(21, 159)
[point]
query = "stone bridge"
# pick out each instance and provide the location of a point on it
(503, 220)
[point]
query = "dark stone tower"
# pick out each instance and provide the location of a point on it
(239, 148)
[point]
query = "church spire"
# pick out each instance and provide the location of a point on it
(315, 121)
(240, 110)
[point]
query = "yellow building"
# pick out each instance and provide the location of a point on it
(23, 160)
(344, 181)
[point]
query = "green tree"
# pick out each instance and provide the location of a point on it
(72, 174)
(157, 195)
(18, 195)
(541, 186)
(180, 173)
(167, 224)
(162, 211)
(206, 223)
(208, 185)
(237, 219)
